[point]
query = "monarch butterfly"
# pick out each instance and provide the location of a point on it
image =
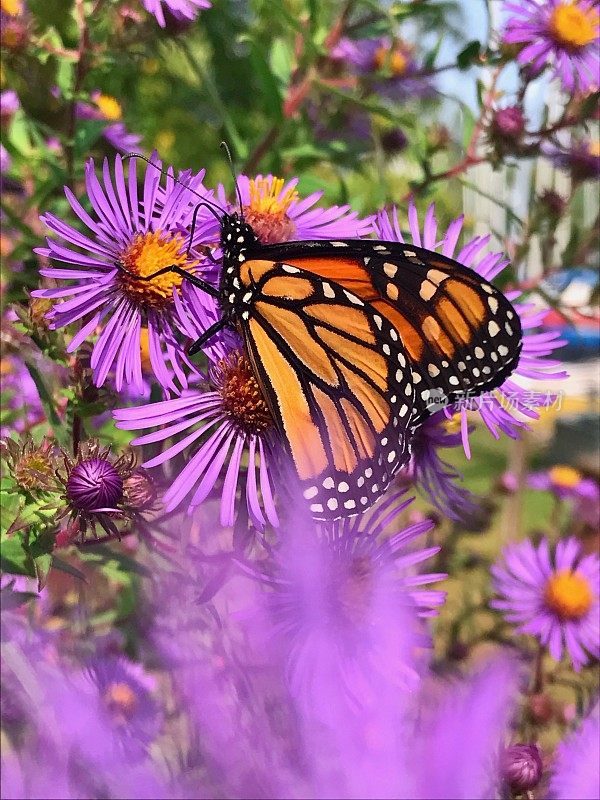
(351, 343)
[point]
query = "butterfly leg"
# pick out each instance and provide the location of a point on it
(193, 279)
(206, 337)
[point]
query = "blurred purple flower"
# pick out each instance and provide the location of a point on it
(277, 214)
(576, 768)
(388, 64)
(533, 365)
(567, 483)
(125, 690)
(20, 396)
(144, 234)
(563, 33)
(555, 600)
(9, 104)
(581, 159)
(342, 602)
(230, 419)
(180, 9)
(108, 108)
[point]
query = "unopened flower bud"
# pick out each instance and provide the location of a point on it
(540, 708)
(94, 484)
(438, 137)
(521, 767)
(394, 141)
(140, 492)
(553, 203)
(508, 483)
(508, 124)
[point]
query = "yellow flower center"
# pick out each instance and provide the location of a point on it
(594, 148)
(120, 698)
(109, 107)
(574, 27)
(568, 594)
(565, 477)
(267, 210)
(243, 401)
(390, 59)
(148, 253)
(11, 7)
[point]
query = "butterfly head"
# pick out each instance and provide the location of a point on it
(236, 237)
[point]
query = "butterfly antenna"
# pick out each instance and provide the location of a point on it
(225, 147)
(209, 204)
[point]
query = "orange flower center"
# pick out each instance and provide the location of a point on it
(390, 59)
(243, 400)
(148, 253)
(565, 477)
(568, 594)
(109, 107)
(11, 7)
(121, 699)
(267, 210)
(573, 26)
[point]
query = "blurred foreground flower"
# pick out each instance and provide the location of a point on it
(144, 234)
(576, 769)
(230, 419)
(554, 599)
(342, 604)
(493, 406)
(564, 33)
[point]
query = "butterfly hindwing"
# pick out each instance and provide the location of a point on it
(461, 334)
(338, 382)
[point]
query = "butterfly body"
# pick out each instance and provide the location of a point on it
(354, 343)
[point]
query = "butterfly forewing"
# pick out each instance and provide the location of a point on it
(337, 379)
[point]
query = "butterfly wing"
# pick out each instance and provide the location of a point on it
(463, 337)
(337, 380)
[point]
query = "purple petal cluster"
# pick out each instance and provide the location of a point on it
(554, 597)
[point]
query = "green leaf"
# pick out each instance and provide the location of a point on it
(15, 559)
(469, 54)
(281, 60)
(431, 56)
(42, 569)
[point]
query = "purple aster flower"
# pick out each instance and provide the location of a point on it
(581, 159)
(22, 399)
(576, 772)
(554, 599)
(229, 420)
(144, 232)
(563, 33)
(277, 214)
(438, 479)
(521, 767)
(568, 484)
(180, 9)
(341, 611)
(533, 365)
(388, 64)
(108, 108)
